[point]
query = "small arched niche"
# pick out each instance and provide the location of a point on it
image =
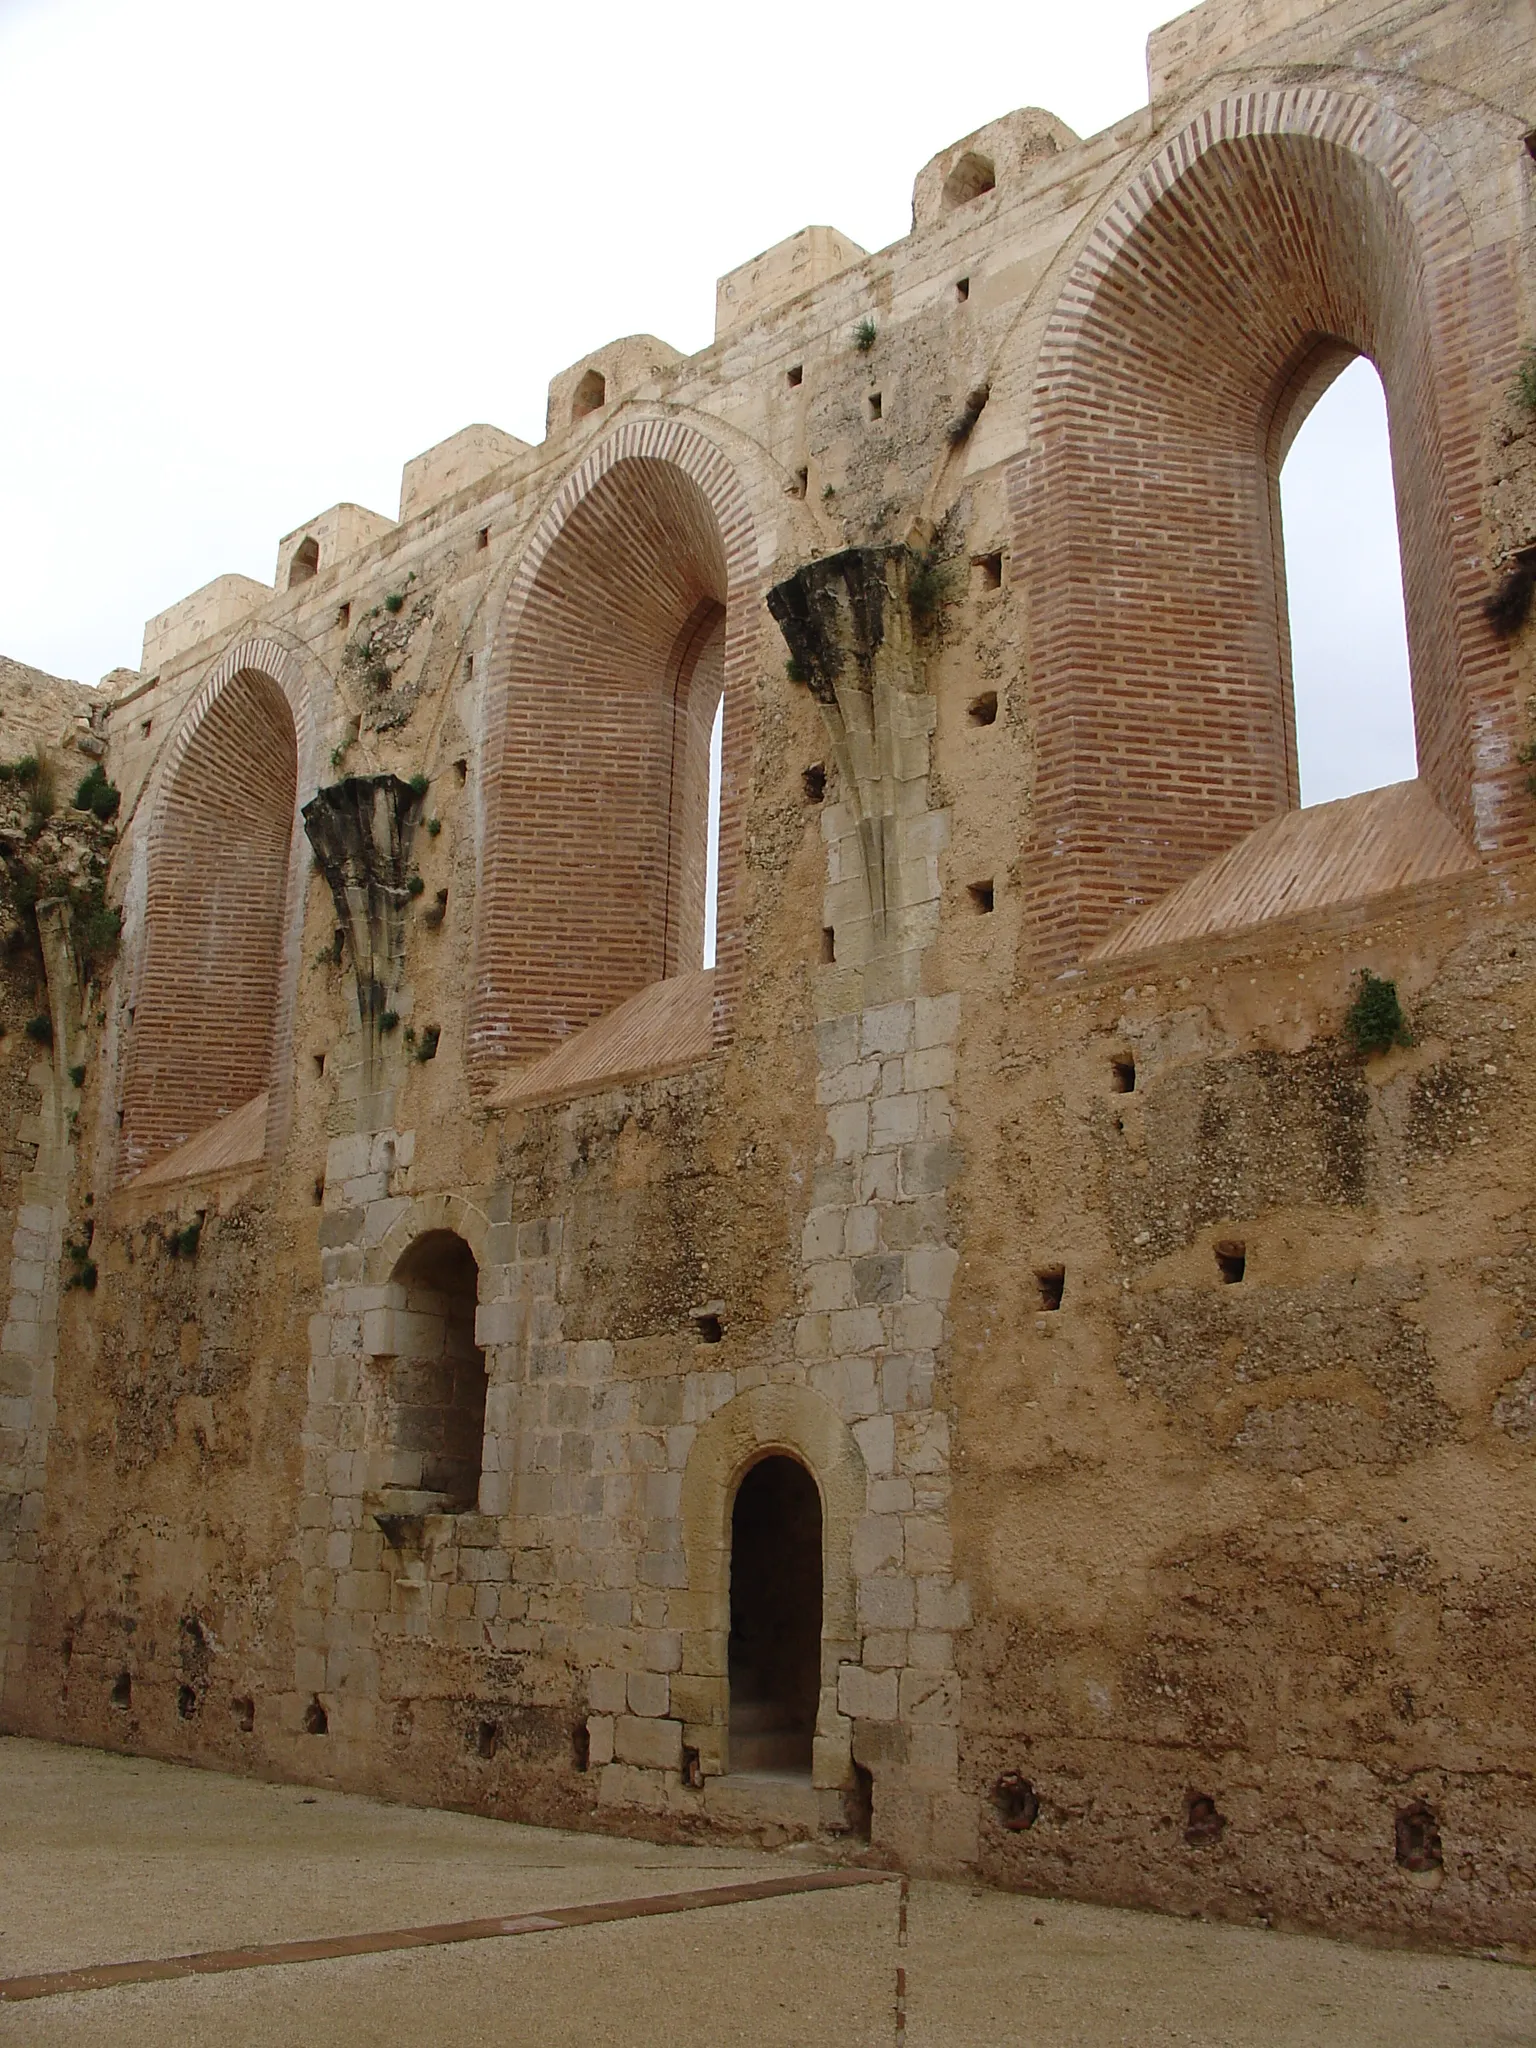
(305, 563)
(774, 1650)
(973, 175)
(590, 395)
(428, 1394)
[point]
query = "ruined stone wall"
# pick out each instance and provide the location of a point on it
(1161, 1360)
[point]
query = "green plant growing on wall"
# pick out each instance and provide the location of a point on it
(796, 670)
(395, 602)
(37, 778)
(864, 336)
(97, 925)
(82, 1266)
(388, 1019)
(1374, 1021)
(434, 826)
(182, 1244)
(1525, 379)
(96, 794)
(39, 1029)
(419, 785)
(415, 886)
(77, 1077)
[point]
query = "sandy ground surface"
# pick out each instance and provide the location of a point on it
(109, 1859)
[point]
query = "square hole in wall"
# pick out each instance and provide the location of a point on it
(982, 895)
(982, 710)
(461, 769)
(1122, 1076)
(319, 1059)
(801, 483)
(814, 779)
(872, 404)
(795, 376)
(1050, 1282)
(343, 616)
(146, 725)
(707, 1325)
(1530, 143)
(828, 945)
(483, 537)
(469, 666)
(962, 289)
(987, 570)
(1231, 1260)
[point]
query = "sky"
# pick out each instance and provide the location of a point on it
(253, 258)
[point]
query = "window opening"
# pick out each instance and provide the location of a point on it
(775, 1639)
(1344, 588)
(590, 394)
(794, 376)
(987, 570)
(712, 858)
(1122, 1076)
(982, 710)
(1231, 1261)
(970, 178)
(343, 616)
(1052, 1283)
(483, 537)
(962, 289)
(305, 562)
(873, 403)
(828, 945)
(983, 896)
(814, 781)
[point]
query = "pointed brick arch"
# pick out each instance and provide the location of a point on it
(212, 998)
(1278, 224)
(633, 608)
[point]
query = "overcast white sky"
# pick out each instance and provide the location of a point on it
(254, 257)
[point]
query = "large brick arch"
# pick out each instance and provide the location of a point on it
(1202, 317)
(209, 1002)
(633, 607)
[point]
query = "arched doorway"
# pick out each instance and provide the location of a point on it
(775, 1640)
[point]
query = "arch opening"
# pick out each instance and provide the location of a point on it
(971, 177)
(599, 877)
(774, 1651)
(205, 1012)
(590, 395)
(427, 1398)
(1348, 640)
(1148, 511)
(305, 564)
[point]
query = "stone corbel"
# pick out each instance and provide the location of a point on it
(847, 622)
(361, 832)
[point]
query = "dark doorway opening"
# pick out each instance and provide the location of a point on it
(775, 1645)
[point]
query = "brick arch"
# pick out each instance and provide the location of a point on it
(632, 609)
(211, 997)
(1278, 231)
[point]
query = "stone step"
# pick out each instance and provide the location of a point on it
(784, 1799)
(769, 1749)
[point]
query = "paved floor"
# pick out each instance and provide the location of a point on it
(111, 1859)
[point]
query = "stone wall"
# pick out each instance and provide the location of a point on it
(1161, 1359)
